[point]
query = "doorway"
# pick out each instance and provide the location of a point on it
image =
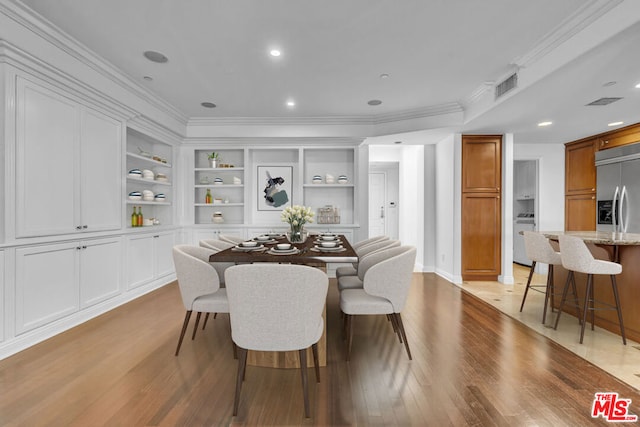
(384, 178)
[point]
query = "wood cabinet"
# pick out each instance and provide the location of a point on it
(624, 136)
(68, 163)
(580, 185)
(481, 207)
(56, 280)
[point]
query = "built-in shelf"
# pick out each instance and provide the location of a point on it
(144, 202)
(219, 185)
(328, 185)
(148, 181)
(218, 169)
(147, 159)
(217, 205)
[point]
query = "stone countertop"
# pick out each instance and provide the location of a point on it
(599, 237)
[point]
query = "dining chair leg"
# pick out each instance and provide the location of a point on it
(587, 297)
(242, 364)
(404, 335)
(616, 297)
(314, 350)
(187, 316)
(564, 298)
(576, 300)
(548, 294)
(396, 329)
(349, 330)
(303, 374)
(195, 327)
(551, 286)
(526, 290)
(204, 324)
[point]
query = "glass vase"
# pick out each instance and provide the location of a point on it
(297, 235)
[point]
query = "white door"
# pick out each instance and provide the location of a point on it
(377, 203)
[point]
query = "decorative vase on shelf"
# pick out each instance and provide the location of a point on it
(297, 235)
(213, 163)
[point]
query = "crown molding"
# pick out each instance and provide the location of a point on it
(578, 21)
(419, 113)
(154, 129)
(205, 142)
(39, 25)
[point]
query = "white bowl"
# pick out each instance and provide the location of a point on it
(328, 237)
(328, 244)
(135, 197)
(283, 246)
(249, 244)
(263, 238)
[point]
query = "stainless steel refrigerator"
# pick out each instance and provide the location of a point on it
(618, 190)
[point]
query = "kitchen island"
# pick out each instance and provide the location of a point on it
(623, 248)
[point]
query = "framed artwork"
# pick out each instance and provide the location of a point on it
(274, 187)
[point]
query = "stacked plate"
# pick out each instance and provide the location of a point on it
(135, 173)
(147, 195)
(161, 177)
(342, 179)
(317, 179)
(159, 197)
(148, 174)
(135, 195)
(218, 181)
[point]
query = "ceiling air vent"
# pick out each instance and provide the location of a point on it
(509, 83)
(604, 101)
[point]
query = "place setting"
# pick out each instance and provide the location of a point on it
(283, 249)
(265, 239)
(328, 246)
(249, 246)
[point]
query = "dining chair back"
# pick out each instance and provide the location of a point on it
(276, 307)
(362, 252)
(231, 238)
(354, 281)
(368, 241)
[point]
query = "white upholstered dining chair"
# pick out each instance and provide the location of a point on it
(385, 289)
(276, 307)
(199, 285)
(362, 248)
(229, 238)
(366, 261)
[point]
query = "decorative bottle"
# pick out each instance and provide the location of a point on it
(140, 217)
(134, 218)
(208, 199)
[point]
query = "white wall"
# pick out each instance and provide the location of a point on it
(429, 260)
(445, 208)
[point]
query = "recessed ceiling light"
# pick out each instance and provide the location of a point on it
(208, 105)
(155, 57)
(384, 76)
(275, 52)
(609, 84)
(615, 123)
(638, 86)
(291, 103)
(148, 78)
(543, 124)
(374, 102)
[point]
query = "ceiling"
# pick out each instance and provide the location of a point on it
(438, 55)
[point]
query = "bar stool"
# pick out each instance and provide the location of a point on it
(539, 249)
(576, 257)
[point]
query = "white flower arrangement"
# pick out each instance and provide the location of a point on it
(297, 216)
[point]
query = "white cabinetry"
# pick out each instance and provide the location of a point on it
(68, 161)
(149, 257)
(53, 281)
(525, 179)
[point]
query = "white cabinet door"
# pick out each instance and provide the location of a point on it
(163, 246)
(140, 260)
(100, 166)
(100, 270)
(46, 155)
(46, 284)
(2, 292)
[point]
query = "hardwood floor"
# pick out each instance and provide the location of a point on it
(471, 365)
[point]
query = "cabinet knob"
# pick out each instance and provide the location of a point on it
(79, 227)
(85, 226)
(604, 142)
(84, 247)
(593, 197)
(78, 248)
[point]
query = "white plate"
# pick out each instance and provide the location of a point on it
(317, 242)
(265, 242)
(248, 249)
(274, 251)
(336, 249)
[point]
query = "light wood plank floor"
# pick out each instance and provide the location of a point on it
(472, 366)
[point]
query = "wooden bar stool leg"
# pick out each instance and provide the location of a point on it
(586, 305)
(564, 298)
(614, 286)
(526, 290)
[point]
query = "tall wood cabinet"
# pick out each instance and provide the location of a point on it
(481, 207)
(580, 185)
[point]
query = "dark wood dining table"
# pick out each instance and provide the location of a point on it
(308, 253)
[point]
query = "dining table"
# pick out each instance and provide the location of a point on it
(311, 253)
